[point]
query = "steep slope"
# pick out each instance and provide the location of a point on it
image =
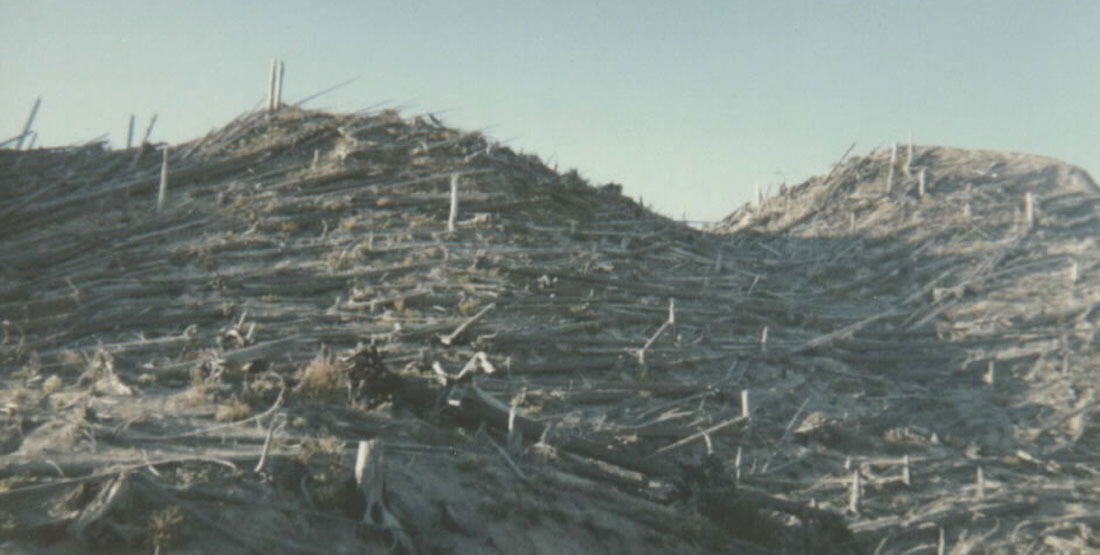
(561, 371)
(973, 357)
(167, 373)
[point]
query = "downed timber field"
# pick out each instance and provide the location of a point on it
(338, 333)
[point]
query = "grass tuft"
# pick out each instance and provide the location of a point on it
(469, 307)
(232, 410)
(324, 379)
(51, 385)
(165, 528)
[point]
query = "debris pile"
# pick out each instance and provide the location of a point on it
(364, 332)
(359, 331)
(965, 379)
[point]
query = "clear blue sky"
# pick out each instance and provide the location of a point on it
(687, 104)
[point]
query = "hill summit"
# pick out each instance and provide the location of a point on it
(975, 274)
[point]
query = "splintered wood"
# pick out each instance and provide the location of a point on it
(312, 286)
(963, 307)
(370, 476)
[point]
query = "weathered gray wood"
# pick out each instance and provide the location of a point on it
(453, 217)
(162, 190)
(273, 76)
(30, 122)
(278, 101)
(149, 130)
(370, 476)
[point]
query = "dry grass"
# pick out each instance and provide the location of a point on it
(336, 205)
(324, 379)
(469, 307)
(71, 359)
(326, 444)
(339, 260)
(195, 396)
(165, 527)
(233, 409)
(52, 384)
(14, 482)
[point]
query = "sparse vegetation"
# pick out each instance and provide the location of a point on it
(12, 482)
(232, 409)
(51, 384)
(469, 307)
(339, 259)
(165, 528)
(885, 313)
(325, 444)
(336, 205)
(198, 393)
(71, 359)
(324, 378)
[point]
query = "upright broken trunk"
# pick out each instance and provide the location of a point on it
(371, 479)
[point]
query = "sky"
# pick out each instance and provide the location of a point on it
(689, 105)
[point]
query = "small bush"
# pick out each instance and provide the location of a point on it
(323, 378)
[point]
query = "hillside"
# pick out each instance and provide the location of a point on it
(841, 369)
(973, 356)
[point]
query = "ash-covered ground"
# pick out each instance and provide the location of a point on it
(895, 357)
